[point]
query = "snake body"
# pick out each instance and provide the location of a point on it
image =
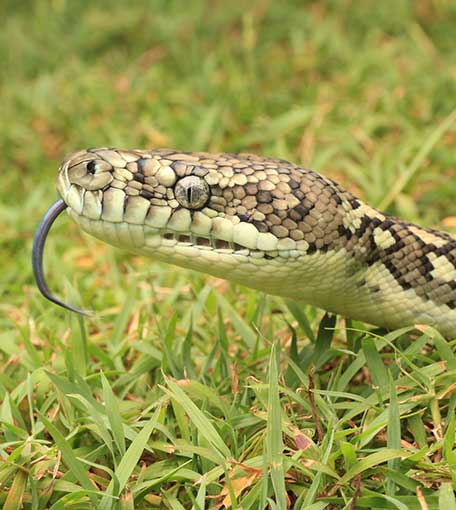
(268, 224)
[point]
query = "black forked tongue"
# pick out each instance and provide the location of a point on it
(37, 254)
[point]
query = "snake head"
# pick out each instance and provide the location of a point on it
(236, 216)
(230, 215)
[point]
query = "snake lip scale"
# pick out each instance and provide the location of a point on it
(262, 222)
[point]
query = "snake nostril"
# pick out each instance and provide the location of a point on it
(91, 167)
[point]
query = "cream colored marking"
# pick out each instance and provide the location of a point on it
(212, 178)
(292, 201)
(73, 198)
(354, 217)
(239, 179)
(187, 251)
(286, 244)
(128, 156)
(122, 174)
(150, 167)
(118, 184)
(92, 205)
(112, 157)
(383, 238)
(136, 210)
(245, 234)
(443, 268)
(266, 241)
(222, 229)
(113, 205)
(201, 224)
(427, 237)
(302, 245)
(158, 216)
(211, 213)
(166, 176)
(152, 238)
(180, 221)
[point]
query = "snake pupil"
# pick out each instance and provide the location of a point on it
(189, 194)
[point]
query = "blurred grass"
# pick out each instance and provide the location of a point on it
(164, 399)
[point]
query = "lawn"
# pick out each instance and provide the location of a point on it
(183, 391)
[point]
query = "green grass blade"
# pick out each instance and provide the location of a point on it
(375, 363)
(200, 420)
(74, 465)
(17, 490)
(113, 413)
(447, 499)
(274, 441)
(129, 461)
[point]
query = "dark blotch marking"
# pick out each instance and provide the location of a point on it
(199, 171)
(140, 164)
(293, 184)
(146, 194)
(261, 226)
(264, 197)
(138, 176)
(312, 249)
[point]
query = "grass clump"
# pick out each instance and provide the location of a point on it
(184, 392)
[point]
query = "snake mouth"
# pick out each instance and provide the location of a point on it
(39, 242)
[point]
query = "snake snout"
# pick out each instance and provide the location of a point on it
(37, 254)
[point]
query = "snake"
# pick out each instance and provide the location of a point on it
(265, 223)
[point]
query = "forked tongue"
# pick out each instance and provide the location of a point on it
(37, 254)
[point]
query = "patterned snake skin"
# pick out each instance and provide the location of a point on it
(267, 224)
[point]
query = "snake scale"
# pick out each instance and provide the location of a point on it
(265, 223)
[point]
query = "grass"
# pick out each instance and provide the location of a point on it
(184, 392)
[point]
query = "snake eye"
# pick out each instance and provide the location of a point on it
(192, 192)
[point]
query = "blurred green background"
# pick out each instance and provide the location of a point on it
(363, 92)
(352, 89)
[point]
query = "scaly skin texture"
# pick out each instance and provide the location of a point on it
(267, 224)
